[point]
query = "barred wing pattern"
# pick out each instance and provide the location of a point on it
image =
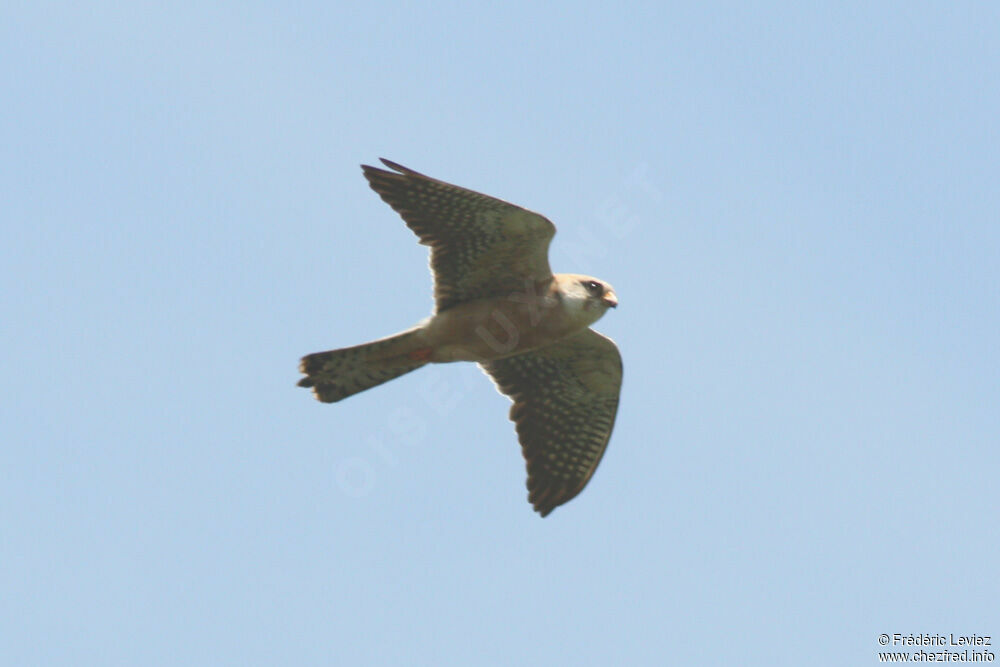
(565, 401)
(480, 246)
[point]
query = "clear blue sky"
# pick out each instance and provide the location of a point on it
(796, 202)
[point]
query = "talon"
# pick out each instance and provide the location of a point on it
(420, 354)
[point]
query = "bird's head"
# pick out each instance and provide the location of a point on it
(588, 295)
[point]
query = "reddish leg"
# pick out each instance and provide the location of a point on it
(420, 354)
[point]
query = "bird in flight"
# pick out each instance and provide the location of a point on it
(497, 303)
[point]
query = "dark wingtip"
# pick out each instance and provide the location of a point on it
(388, 163)
(406, 171)
(395, 165)
(376, 174)
(543, 501)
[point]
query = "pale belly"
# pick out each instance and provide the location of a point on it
(497, 328)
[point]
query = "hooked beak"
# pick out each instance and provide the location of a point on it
(611, 300)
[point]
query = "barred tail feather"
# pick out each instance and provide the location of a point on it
(337, 374)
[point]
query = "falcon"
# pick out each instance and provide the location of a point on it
(497, 303)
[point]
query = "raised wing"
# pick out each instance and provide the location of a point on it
(565, 400)
(480, 246)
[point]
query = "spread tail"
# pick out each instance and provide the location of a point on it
(337, 374)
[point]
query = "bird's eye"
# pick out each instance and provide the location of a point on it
(594, 287)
